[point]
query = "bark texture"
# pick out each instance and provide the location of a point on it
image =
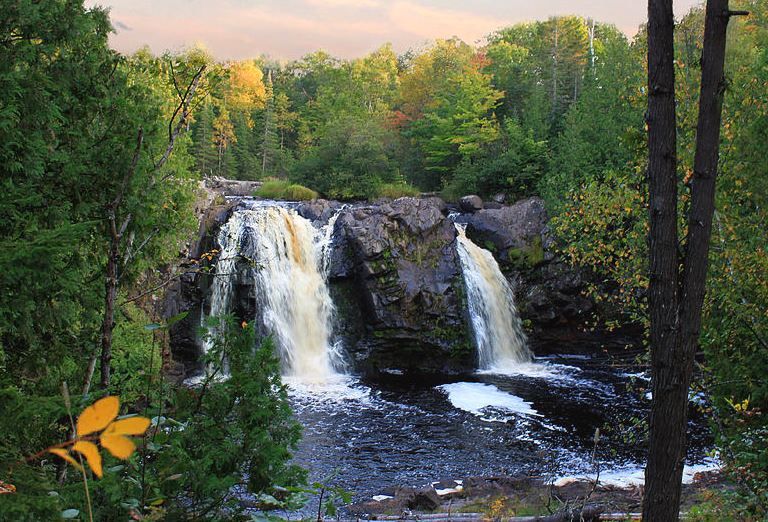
(676, 292)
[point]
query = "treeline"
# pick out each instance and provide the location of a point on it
(450, 117)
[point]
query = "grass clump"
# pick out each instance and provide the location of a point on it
(396, 190)
(297, 192)
(282, 189)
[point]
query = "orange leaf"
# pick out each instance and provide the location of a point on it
(119, 446)
(6, 488)
(129, 426)
(98, 415)
(64, 454)
(92, 455)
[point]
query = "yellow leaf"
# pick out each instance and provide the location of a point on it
(64, 454)
(129, 426)
(119, 446)
(98, 415)
(92, 455)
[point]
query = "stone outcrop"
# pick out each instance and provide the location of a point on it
(517, 235)
(396, 281)
(403, 272)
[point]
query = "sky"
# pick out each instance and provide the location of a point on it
(289, 29)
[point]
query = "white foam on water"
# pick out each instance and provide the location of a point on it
(632, 476)
(534, 370)
(476, 398)
(334, 391)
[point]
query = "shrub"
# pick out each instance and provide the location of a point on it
(272, 189)
(396, 190)
(297, 192)
(282, 189)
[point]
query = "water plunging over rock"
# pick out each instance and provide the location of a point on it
(281, 255)
(501, 342)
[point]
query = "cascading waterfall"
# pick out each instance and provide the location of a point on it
(501, 342)
(288, 271)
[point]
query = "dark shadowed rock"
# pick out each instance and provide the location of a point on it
(319, 211)
(425, 499)
(471, 203)
(516, 235)
(396, 282)
(406, 278)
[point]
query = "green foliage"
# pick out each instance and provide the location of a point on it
(297, 192)
(396, 190)
(272, 189)
(283, 189)
(513, 166)
(202, 442)
(351, 159)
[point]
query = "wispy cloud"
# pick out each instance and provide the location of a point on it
(433, 22)
(351, 4)
(236, 29)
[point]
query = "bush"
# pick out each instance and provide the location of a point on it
(297, 192)
(206, 447)
(396, 190)
(272, 189)
(282, 189)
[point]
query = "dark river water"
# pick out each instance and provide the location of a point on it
(411, 432)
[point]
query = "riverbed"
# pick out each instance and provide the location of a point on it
(370, 435)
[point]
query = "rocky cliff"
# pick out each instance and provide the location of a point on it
(396, 282)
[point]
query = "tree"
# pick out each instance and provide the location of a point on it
(119, 219)
(677, 283)
(268, 146)
(223, 136)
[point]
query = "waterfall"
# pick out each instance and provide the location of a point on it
(501, 342)
(286, 264)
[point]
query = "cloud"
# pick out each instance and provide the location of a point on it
(432, 22)
(365, 4)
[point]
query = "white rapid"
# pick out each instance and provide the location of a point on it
(287, 269)
(501, 342)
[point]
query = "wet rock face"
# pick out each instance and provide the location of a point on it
(318, 211)
(405, 274)
(396, 283)
(517, 235)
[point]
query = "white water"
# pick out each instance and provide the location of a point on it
(501, 342)
(475, 397)
(287, 269)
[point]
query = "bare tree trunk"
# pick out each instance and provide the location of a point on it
(677, 299)
(116, 233)
(663, 473)
(109, 301)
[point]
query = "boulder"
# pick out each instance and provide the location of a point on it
(425, 499)
(231, 187)
(471, 203)
(517, 235)
(319, 211)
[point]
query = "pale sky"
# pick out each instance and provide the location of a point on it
(287, 29)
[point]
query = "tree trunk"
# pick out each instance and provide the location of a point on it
(663, 473)
(110, 295)
(676, 314)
